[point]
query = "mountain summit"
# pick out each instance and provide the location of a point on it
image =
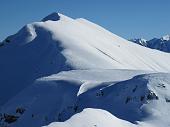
(53, 17)
(166, 38)
(64, 72)
(140, 41)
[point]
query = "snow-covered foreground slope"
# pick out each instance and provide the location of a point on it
(93, 100)
(143, 101)
(90, 117)
(49, 96)
(76, 73)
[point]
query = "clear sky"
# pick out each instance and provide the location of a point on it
(126, 18)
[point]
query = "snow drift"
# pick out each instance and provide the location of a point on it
(63, 69)
(60, 43)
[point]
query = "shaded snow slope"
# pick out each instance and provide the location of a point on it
(62, 69)
(142, 101)
(139, 101)
(59, 91)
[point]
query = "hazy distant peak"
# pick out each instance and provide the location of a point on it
(165, 38)
(140, 41)
(162, 44)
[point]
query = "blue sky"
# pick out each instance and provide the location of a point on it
(126, 18)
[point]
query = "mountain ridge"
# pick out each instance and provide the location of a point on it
(48, 47)
(162, 44)
(61, 71)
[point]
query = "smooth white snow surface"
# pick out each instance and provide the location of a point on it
(93, 118)
(96, 118)
(75, 73)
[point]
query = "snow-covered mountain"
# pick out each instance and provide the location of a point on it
(71, 72)
(162, 44)
(140, 41)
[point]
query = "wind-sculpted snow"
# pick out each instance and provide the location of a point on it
(48, 47)
(136, 101)
(142, 101)
(62, 70)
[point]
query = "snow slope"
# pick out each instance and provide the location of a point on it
(59, 91)
(60, 43)
(142, 101)
(139, 101)
(93, 118)
(62, 70)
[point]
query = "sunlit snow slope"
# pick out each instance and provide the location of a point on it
(61, 43)
(63, 69)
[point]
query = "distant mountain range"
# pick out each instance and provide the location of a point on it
(162, 44)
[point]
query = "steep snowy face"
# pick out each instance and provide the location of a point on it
(162, 44)
(59, 43)
(67, 70)
(83, 45)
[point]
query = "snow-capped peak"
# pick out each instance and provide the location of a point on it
(53, 17)
(161, 44)
(166, 38)
(140, 41)
(90, 68)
